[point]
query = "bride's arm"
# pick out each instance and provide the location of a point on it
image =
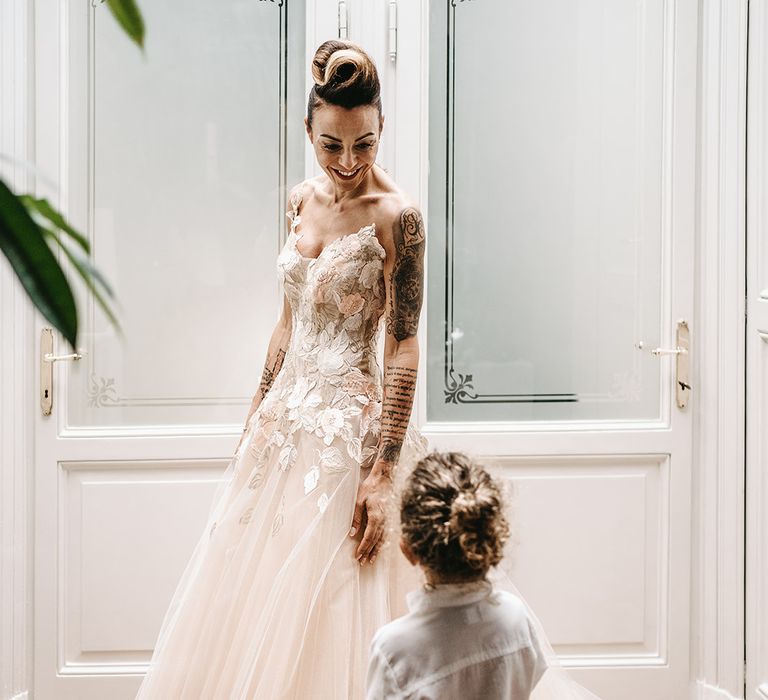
(278, 343)
(404, 287)
(405, 291)
(278, 346)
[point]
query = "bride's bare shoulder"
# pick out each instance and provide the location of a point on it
(305, 189)
(399, 218)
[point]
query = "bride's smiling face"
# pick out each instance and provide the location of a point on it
(346, 141)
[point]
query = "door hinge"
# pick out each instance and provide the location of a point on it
(393, 30)
(343, 28)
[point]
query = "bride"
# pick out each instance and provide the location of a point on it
(286, 588)
(293, 574)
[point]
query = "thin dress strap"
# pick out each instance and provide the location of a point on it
(295, 201)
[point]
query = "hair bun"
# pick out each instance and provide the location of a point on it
(452, 516)
(345, 75)
(342, 68)
(469, 506)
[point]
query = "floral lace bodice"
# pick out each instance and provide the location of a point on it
(337, 301)
(330, 381)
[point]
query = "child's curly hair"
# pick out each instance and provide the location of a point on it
(452, 517)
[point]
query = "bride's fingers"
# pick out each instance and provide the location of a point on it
(373, 531)
(367, 542)
(376, 549)
(357, 518)
(373, 536)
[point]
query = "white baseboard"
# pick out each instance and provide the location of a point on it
(21, 696)
(705, 691)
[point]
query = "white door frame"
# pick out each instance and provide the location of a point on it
(757, 360)
(717, 594)
(17, 370)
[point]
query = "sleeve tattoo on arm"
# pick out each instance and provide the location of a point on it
(407, 278)
(406, 292)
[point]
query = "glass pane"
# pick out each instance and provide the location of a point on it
(545, 224)
(191, 151)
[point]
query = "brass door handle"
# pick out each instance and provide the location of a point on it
(683, 387)
(50, 357)
(47, 359)
(669, 351)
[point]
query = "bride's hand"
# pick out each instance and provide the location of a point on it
(373, 496)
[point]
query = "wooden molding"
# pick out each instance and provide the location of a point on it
(16, 371)
(718, 563)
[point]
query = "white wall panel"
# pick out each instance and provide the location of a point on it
(595, 576)
(128, 530)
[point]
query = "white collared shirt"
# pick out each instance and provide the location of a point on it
(458, 642)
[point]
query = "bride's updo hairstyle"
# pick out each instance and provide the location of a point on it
(344, 75)
(452, 517)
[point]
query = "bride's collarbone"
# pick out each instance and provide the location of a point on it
(323, 229)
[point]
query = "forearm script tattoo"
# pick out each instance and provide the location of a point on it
(400, 386)
(271, 368)
(407, 279)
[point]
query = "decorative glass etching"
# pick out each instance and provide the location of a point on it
(548, 202)
(181, 170)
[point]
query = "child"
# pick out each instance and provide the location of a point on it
(463, 639)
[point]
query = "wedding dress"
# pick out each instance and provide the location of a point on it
(272, 604)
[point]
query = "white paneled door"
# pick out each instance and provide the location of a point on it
(757, 358)
(175, 162)
(556, 146)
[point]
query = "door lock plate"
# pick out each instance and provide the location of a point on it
(683, 362)
(46, 371)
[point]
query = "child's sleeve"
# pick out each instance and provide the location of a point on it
(538, 660)
(381, 683)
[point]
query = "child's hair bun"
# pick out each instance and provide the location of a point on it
(453, 517)
(472, 525)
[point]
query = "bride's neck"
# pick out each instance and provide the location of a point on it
(341, 196)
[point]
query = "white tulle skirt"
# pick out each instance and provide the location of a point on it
(273, 605)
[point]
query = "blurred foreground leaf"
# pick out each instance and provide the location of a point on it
(29, 228)
(128, 16)
(23, 243)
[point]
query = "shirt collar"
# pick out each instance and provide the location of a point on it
(448, 595)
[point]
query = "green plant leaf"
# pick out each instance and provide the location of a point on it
(128, 16)
(93, 279)
(43, 207)
(23, 243)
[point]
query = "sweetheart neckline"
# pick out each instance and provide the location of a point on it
(362, 229)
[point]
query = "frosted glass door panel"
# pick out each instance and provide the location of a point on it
(547, 209)
(190, 150)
